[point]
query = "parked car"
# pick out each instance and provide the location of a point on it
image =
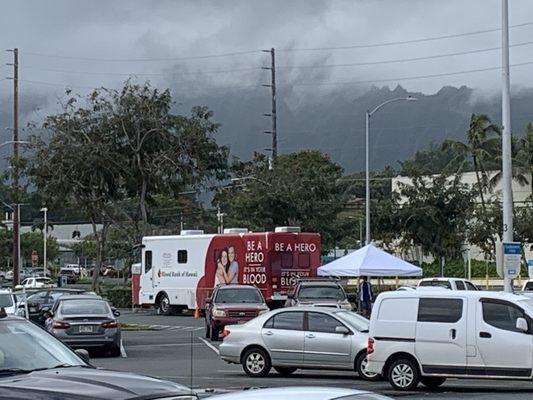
(43, 300)
(232, 304)
(35, 283)
(527, 286)
(318, 292)
(301, 393)
(35, 365)
(84, 321)
(8, 301)
(294, 338)
(448, 283)
(70, 275)
(428, 336)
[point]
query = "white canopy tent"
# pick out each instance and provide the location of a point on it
(369, 261)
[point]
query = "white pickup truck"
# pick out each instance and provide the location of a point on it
(37, 282)
(448, 283)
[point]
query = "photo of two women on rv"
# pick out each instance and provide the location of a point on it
(227, 267)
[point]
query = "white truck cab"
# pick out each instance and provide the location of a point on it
(447, 283)
(429, 335)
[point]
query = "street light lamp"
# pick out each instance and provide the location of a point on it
(367, 162)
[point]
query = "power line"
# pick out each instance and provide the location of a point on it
(202, 57)
(401, 42)
(410, 78)
(400, 60)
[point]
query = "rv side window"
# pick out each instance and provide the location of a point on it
(147, 260)
(440, 310)
(286, 260)
(303, 260)
(182, 256)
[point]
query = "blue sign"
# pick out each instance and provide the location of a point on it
(512, 257)
(512, 248)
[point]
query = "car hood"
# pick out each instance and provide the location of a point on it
(240, 306)
(87, 383)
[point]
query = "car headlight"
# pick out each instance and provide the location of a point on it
(219, 313)
(261, 312)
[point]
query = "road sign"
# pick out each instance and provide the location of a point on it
(512, 256)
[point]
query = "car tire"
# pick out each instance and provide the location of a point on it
(214, 334)
(163, 305)
(207, 330)
(432, 382)
(403, 374)
(285, 371)
(256, 363)
(360, 368)
(114, 351)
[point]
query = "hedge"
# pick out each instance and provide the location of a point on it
(119, 296)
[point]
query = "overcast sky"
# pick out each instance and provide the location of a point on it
(134, 29)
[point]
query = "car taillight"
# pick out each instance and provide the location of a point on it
(60, 325)
(110, 324)
(370, 346)
(226, 332)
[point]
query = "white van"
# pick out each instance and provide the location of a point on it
(429, 335)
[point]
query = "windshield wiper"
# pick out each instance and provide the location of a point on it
(60, 366)
(9, 371)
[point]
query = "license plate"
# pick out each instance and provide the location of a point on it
(85, 329)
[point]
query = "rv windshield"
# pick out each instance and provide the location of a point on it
(321, 292)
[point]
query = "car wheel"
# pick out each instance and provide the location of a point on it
(115, 351)
(163, 305)
(360, 367)
(214, 334)
(207, 330)
(285, 371)
(432, 382)
(403, 374)
(256, 363)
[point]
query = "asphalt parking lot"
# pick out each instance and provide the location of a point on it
(175, 350)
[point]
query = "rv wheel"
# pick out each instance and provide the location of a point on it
(163, 305)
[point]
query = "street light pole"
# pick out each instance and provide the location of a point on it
(45, 234)
(367, 159)
(507, 181)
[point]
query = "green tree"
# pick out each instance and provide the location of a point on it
(301, 189)
(34, 241)
(433, 213)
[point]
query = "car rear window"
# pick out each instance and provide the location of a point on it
(84, 307)
(444, 284)
(6, 300)
(321, 292)
(238, 296)
(440, 310)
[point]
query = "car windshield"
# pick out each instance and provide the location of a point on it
(6, 300)
(354, 320)
(321, 292)
(84, 307)
(26, 347)
(444, 284)
(238, 296)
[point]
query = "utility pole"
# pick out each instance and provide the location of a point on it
(15, 182)
(45, 234)
(220, 217)
(273, 113)
(507, 181)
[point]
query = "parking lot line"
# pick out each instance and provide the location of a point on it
(123, 353)
(210, 345)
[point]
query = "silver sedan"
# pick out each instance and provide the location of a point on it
(294, 338)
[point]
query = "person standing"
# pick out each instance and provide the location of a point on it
(366, 297)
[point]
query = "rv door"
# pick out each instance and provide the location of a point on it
(148, 267)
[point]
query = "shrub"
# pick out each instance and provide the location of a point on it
(119, 296)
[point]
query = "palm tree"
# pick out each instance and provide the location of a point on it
(522, 161)
(480, 148)
(524, 156)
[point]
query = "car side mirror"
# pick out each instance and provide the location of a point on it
(48, 314)
(116, 313)
(83, 354)
(342, 330)
(209, 300)
(521, 324)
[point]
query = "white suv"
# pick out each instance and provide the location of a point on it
(427, 336)
(448, 283)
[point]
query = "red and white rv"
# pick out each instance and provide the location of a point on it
(179, 272)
